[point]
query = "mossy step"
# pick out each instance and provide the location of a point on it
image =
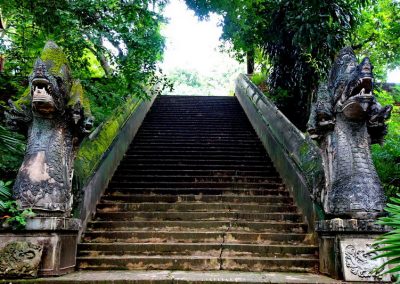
(211, 249)
(248, 226)
(202, 263)
(196, 207)
(188, 215)
(136, 236)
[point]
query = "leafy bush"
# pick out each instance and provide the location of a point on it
(10, 214)
(389, 243)
(386, 157)
(11, 151)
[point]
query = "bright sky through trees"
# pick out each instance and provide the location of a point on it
(193, 46)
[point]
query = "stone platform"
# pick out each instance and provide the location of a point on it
(175, 277)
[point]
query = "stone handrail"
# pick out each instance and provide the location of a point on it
(294, 154)
(99, 156)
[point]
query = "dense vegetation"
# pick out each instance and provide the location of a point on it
(112, 46)
(296, 41)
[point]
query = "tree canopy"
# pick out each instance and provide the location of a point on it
(299, 39)
(112, 39)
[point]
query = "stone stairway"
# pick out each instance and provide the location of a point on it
(197, 191)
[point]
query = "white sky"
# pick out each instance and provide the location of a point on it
(192, 44)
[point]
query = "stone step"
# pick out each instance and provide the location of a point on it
(202, 263)
(200, 184)
(196, 161)
(124, 178)
(218, 167)
(192, 156)
(209, 130)
(197, 144)
(211, 249)
(194, 126)
(119, 191)
(197, 152)
(176, 147)
(198, 140)
(190, 215)
(172, 198)
(249, 226)
(195, 173)
(195, 207)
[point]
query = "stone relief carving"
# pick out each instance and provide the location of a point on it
(357, 260)
(360, 262)
(345, 120)
(56, 117)
(19, 259)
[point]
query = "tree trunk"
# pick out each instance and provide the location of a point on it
(250, 62)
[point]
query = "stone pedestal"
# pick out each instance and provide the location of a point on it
(345, 247)
(54, 240)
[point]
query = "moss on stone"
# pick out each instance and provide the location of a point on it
(55, 59)
(77, 95)
(91, 152)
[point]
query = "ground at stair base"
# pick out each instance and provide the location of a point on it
(180, 277)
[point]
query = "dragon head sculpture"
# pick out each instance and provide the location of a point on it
(57, 116)
(345, 119)
(48, 93)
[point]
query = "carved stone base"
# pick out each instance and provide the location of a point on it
(345, 249)
(55, 238)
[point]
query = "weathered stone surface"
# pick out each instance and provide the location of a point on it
(57, 116)
(57, 237)
(295, 155)
(350, 225)
(193, 277)
(345, 119)
(20, 259)
(357, 260)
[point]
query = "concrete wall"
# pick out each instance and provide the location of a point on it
(295, 156)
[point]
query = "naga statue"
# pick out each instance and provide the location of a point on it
(56, 117)
(346, 119)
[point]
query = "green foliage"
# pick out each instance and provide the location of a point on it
(299, 39)
(386, 157)
(259, 78)
(377, 35)
(191, 82)
(116, 41)
(10, 214)
(389, 243)
(11, 151)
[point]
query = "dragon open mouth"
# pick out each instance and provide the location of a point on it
(363, 87)
(42, 99)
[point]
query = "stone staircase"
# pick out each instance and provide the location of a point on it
(197, 191)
